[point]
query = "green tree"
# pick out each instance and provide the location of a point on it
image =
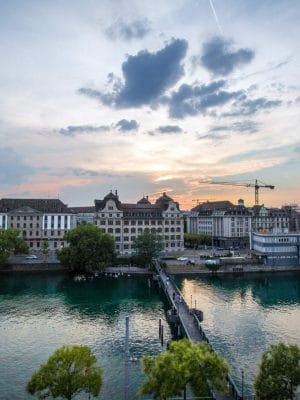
(279, 373)
(193, 240)
(185, 363)
(147, 246)
(11, 243)
(45, 247)
(88, 249)
(69, 371)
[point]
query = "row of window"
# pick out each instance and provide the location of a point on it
(128, 246)
(37, 233)
(31, 244)
(139, 222)
(24, 217)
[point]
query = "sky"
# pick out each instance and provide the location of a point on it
(150, 97)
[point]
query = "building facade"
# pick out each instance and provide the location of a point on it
(229, 225)
(38, 220)
(282, 249)
(273, 220)
(125, 222)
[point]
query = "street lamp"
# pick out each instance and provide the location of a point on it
(242, 384)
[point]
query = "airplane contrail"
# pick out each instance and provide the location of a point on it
(216, 17)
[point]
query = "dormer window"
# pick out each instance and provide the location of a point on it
(110, 208)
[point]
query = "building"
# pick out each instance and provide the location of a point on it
(229, 225)
(276, 249)
(38, 220)
(84, 214)
(275, 220)
(126, 221)
(293, 212)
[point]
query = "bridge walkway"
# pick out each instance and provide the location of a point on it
(191, 325)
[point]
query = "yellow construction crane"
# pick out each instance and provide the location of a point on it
(256, 185)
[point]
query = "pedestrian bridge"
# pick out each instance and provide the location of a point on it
(191, 325)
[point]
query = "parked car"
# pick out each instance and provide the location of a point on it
(182, 259)
(31, 257)
(191, 262)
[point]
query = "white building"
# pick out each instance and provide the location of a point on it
(38, 220)
(125, 222)
(229, 225)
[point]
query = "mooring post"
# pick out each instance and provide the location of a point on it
(162, 335)
(126, 382)
(159, 327)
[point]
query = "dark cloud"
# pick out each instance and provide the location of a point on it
(84, 172)
(13, 170)
(169, 129)
(216, 136)
(194, 99)
(219, 58)
(146, 77)
(136, 29)
(79, 129)
(242, 127)
(246, 107)
(125, 125)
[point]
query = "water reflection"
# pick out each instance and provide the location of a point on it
(244, 315)
(39, 313)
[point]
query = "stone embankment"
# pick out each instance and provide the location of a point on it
(180, 269)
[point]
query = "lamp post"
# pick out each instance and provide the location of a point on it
(242, 384)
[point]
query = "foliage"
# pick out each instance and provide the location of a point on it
(69, 370)
(185, 363)
(11, 243)
(45, 247)
(147, 246)
(279, 373)
(193, 240)
(89, 248)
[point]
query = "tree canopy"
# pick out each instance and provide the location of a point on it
(69, 371)
(11, 243)
(147, 246)
(279, 373)
(89, 248)
(194, 240)
(185, 363)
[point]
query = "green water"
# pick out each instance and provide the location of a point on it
(39, 313)
(244, 315)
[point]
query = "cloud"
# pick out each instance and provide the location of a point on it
(79, 129)
(169, 129)
(246, 107)
(136, 29)
(190, 100)
(13, 170)
(219, 58)
(146, 77)
(242, 127)
(215, 136)
(125, 125)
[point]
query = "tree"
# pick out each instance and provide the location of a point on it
(279, 373)
(45, 247)
(193, 240)
(185, 363)
(147, 246)
(11, 243)
(89, 248)
(69, 371)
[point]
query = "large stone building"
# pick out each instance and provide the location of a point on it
(275, 220)
(229, 225)
(38, 220)
(125, 222)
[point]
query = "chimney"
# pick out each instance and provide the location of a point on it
(241, 202)
(116, 193)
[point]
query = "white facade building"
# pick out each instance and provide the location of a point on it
(125, 222)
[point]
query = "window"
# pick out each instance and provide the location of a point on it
(37, 225)
(102, 222)
(55, 245)
(11, 217)
(24, 225)
(24, 233)
(118, 238)
(110, 208)
(37, 233)
(118, 222)
(132, 230)
(110, 215)
(18, 217)
(37, 244)
(58, 233)
(118, 230)
(38, 218)
(24, 217)
(30, 225)
(125, 238)
(45, 233)
(31, 218)
(110, 230)
(31, 244)
(11, 225)
(52, 233)
(30, 233)
(110, 222)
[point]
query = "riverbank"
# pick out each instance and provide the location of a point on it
(175, 269)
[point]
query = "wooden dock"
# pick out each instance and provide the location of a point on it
(191, 325)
